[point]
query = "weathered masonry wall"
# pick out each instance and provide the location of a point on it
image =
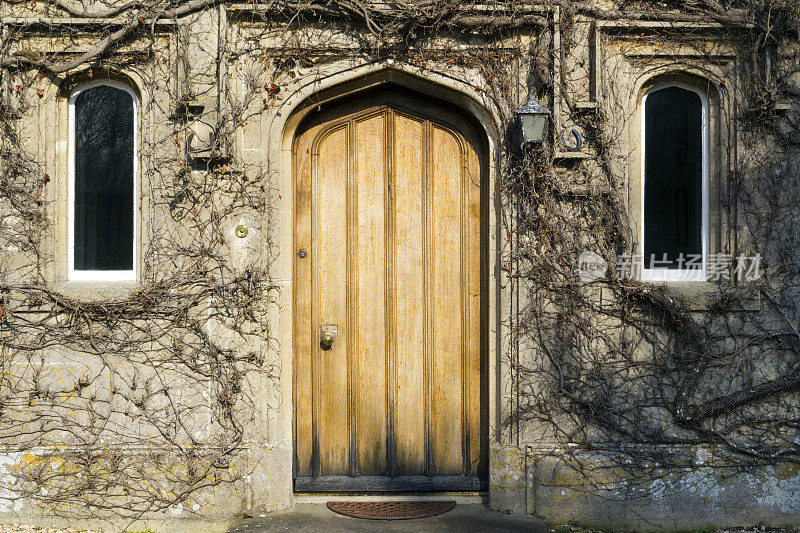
(167, 402)
(605, 68)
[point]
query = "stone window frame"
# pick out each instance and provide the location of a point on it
(712, 84)
(100, 275)
(665, 275)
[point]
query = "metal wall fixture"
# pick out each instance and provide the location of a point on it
(576, 133)
(533, 118)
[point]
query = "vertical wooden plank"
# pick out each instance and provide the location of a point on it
(303, 349)
(409, 340)
(330, 264)
(427, 253)
(447, 293)
(352, 300)
(390, 327)
(474, 343)
(370, 180)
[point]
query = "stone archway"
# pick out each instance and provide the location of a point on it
(390, 213)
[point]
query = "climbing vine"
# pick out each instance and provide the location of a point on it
(134, 401)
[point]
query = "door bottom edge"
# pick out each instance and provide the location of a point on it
(460, 497)
(384, 484)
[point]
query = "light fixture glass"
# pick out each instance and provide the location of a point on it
(533, 118)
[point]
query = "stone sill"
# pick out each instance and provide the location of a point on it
(698, 295)
(90, 291)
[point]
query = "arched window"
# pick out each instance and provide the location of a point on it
(102, 182)
(675, 183)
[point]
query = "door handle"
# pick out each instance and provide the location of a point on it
(326, 340)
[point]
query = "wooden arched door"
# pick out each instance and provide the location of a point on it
(389, 217)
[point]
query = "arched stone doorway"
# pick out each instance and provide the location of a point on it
(390, 242)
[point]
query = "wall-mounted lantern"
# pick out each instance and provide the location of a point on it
(533, 118)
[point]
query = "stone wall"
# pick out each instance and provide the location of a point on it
(159, 398)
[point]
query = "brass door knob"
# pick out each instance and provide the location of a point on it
(326, 340)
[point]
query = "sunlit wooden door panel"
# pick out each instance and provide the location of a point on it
(388, 218)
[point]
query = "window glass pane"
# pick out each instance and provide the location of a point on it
(673, 188)
(103, 179)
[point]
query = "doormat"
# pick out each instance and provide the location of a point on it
(398, 510)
